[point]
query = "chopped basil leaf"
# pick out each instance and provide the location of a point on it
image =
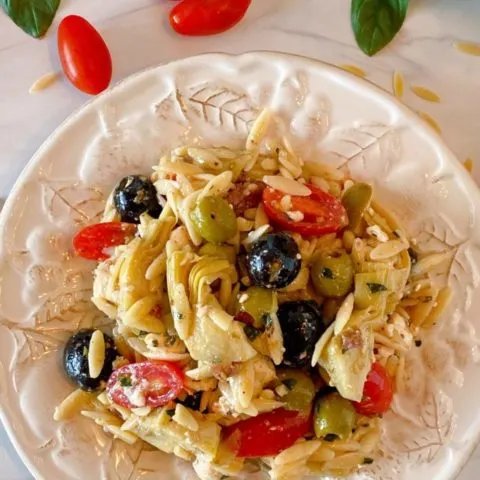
(125, 381)
(376, 287)
(171, 412)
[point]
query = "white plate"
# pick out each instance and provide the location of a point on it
(328, 114)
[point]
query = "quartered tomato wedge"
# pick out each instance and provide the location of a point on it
(322, 212)
(377, 392)
(145, 384)
(267, 434)
(91, 241)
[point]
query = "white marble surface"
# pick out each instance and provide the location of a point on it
(139, 36)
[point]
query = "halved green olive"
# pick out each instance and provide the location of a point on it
(222, 251)
(301, 390)
(356, 200)
(214, 220)
(334, 417)
(332, 274)
(257, 302)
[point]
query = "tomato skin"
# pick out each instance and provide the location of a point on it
(207, 17)
(84, 55)
(377, 392)
(147, 377)
(91, 241)
(323, 213)
(268, 433)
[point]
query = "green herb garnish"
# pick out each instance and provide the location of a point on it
(367, 461)
(376, 22)
(376, 287)
(125, 381)
(171, 412)
(251, 332)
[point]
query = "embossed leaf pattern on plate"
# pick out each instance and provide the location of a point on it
(328, 116)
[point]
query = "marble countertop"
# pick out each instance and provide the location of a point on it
(138, 36)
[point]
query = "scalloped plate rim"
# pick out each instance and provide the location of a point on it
(465, 178)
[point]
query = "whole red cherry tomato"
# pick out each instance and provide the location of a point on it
(322, 212)
(84, 55)
(268, 433)
(145, 384)
(91, 241)
(377, 392)
(207, 17)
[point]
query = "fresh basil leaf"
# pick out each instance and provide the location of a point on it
(32, 16)
(376, 22)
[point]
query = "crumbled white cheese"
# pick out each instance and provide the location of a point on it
(296, 216)
(243, 298)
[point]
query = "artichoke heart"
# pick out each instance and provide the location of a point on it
(348, 360)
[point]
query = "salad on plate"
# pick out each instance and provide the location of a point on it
(261, 309)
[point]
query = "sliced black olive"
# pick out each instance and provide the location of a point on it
(302, 326)
(274, 261)
(75, 360)
(135, 195)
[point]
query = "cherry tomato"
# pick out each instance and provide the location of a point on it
(91, 241)
(377, 392)
(322, 212)
(84, 55)
(245, 318)
(153, 384)
(207, 17)
(268, 433)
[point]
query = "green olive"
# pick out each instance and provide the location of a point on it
(356, 200)
(222, 251)
(301, 390)
(332, 274)
(257, 302)
(214, 220)
(334, 417)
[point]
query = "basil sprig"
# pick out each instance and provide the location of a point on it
(376, 22)
(32, 16)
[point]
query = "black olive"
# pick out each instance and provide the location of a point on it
(75, 360)
(274, 261)
(192, 401)
(135, 195)
(302, 326)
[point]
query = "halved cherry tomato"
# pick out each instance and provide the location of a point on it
(84, 55)
(322, 212)
(268, 433)
(91, 241)
(207, 17)
(377, 392)
(152, 384)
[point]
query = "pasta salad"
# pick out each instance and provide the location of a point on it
(262, 306)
